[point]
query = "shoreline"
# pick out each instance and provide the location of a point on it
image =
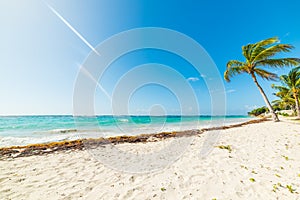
(27, 130)
(255, 161)
(60, 146)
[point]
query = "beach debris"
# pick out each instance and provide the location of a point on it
(243, 166)
(81, 144)
(286, 146)
(279, 184)
(285, 157)
(252, 180)
(290, 188)
(163, 189)
(152, 139)
(227, 147)
(275, 188)
(132, 179)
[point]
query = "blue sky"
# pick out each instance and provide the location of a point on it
(40, 55)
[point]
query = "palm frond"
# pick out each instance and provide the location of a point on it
(234, 67)
(279, 87)
(261, 46)
(282, 91)
(247, 49)
(278, 62)
(265, 74)
(256, 50)
(292, 79)
(272, 51)
(297, 85)
(285, 80)
(267, 42)
(294, 75)
(284, 103)
(285, 95)
(235, 63)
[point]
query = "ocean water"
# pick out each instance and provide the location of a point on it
(24, 130)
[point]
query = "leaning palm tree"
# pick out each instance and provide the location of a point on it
(258, 56)
(292, 82)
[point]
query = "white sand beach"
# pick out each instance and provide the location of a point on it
(264, 164)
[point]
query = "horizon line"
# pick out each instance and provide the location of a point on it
(129, 115)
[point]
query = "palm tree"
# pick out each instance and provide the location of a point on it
(286, 100)
(292, 83)
(258, 56)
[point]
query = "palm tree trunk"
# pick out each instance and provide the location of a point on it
(274, 115)
(297, 105)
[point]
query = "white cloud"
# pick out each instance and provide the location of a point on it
(193, 79)
(230, 91)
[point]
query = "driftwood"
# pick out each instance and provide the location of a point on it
(80, 144)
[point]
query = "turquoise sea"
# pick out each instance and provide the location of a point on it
(23, 130)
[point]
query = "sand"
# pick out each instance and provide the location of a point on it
(257, 161)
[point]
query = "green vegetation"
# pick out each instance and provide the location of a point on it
(289, 91)
(279, 184)
(228, 147)
(285, 157)
(278, 175)
(258, 111)
(258, 56)
(285, 101)
(252, 179)
(243, 166)
(163, 189)
(283, 114)
(275, 188)
(290, 188)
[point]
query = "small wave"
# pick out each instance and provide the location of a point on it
(29, 137)
(20, 141)
(123, 120)
(64, 130)
(58, 131)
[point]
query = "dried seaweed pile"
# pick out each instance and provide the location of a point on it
(39, 149)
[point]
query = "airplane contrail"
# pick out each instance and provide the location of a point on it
(72, 28)
(88, 74)
(84, 70)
